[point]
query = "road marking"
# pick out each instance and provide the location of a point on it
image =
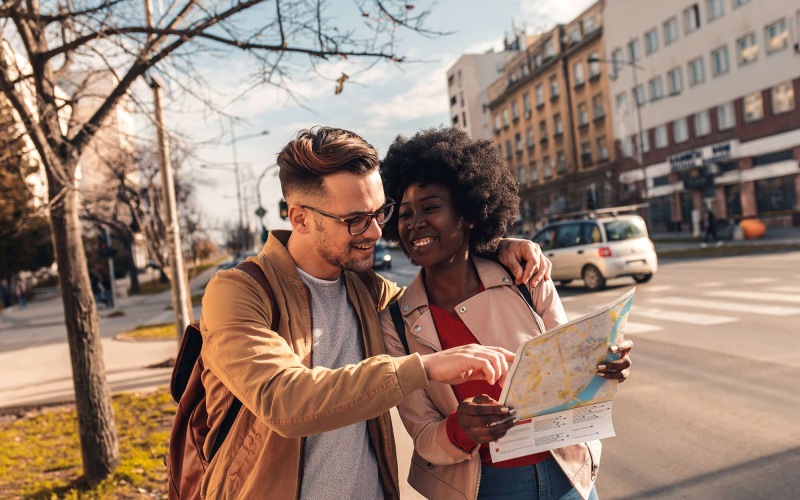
(785, 289)
(662, 288)
(710, 284)
(630, 326)
(756, 281)
(568, 299)
(691, 318)
(739, 307)
(746, 295)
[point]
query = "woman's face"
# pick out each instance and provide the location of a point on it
(430, 228)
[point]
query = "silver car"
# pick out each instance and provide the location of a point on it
(599, 249)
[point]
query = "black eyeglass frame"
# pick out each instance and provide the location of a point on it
(390, 203)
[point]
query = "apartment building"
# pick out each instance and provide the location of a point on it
(550, 121)
(468, 81)
(712, 87)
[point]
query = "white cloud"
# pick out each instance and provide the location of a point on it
(538, 14)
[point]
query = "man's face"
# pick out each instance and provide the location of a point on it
(347, 195)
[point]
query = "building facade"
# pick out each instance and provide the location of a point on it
(550, 121)
(704, 100)
(467, 83)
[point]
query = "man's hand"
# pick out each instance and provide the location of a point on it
(513, 252)
(621, 368)
(469, 362)
(485, 420)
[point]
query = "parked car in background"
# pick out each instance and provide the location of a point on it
(228, 264)
(383, 259)
(598, 249)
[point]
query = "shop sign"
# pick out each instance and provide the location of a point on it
(631, 176)
(700, 157)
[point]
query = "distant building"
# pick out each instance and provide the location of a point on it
(550, 121)
(467, 83)
(714, 94)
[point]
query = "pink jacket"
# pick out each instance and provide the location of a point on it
(498, 316)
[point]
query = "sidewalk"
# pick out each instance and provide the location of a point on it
(35, 358)
(685, 240)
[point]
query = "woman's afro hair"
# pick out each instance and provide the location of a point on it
(484, 190)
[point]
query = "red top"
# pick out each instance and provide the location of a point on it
(453, 333)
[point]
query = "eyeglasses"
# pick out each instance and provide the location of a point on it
(360, 223)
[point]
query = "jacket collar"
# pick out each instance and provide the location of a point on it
(490, 273)
(276, 253)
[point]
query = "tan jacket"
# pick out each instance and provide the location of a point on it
(497, 316)
(284, 399)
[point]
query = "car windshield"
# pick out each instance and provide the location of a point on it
(624, 229)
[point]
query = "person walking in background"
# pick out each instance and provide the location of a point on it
(711, 228)
(456, 198)
(22, 293)
(5, 290)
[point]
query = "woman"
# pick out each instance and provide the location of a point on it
(456, 199)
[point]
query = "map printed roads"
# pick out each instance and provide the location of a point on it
(554, 387)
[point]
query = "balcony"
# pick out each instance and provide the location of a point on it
(599, 116)
(586, 159)
(544, 139)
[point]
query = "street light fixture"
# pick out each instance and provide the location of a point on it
(261, 211)
(639, 157)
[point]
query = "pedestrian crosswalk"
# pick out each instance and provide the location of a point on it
(658, 308)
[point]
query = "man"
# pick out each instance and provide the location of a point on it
(316, 392)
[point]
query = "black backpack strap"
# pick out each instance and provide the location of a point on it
(255, 272)
(399, 326)
(526, 294)
(525, 291)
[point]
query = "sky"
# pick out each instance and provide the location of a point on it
(378, 104)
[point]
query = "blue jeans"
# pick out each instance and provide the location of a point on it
(543, 481)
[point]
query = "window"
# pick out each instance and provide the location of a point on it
(539, 95)
(644, 141)
(575, 34)
(675, 81)
(526, 104)
(455, 120)
(553, 87)
(783, 98)
(583, 114)
(777, 193)
(634, 50)
(514, 110)
(464, 119)
(753, 107)
(577, 71)
(453, 100)
(651, 41)
(726, 116)
(537, 60)
(561, 162)
(715, 9)
(748, 49)
(691, 19)
(518, 142)
(558, 127)
(702, 124)
(616, 62)
(597, 107)
(521, 174)
(602, 149)
(497, 125)
(586, 154)
(547, 167)
(529, 139)
(505, 118)
(777, 36)
(543, 130)
(670, 31)
(594, 65)
(534, 171)
(719, 61)
(697, 72)
(549, 49)
(622, 103)
(739, 3)
(589, 25)
(661, 136)
(638, 95)
(627, 147)
(508, 149)
(656, 88)
(680, 130)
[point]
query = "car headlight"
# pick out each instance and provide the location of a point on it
(387, 258)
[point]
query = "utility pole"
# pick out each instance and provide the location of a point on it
(113, 287)
(178, 284)
(242, 238)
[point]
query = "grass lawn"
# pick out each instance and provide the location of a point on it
(40, 453)
(155, 286)
(150, 332)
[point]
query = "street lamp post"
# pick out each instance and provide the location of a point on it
(238, 185)
(261, 212)
(639, 153)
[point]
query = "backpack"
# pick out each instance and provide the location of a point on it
(400, 327)
(185, 459)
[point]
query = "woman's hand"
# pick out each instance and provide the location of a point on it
(512, 253)
(485, 420)
(620, 368)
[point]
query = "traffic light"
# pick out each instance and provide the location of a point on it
(283, 209)
(106, 250)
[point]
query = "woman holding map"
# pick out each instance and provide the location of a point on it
(456, 200)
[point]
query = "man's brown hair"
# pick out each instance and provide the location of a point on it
(320, 151)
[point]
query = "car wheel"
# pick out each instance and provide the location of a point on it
(593, 278)
(642, 278)
(389, 265)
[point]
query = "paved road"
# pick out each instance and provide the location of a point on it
(711, 408)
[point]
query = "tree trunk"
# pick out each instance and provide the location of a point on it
(97, 430)
(134, 273)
